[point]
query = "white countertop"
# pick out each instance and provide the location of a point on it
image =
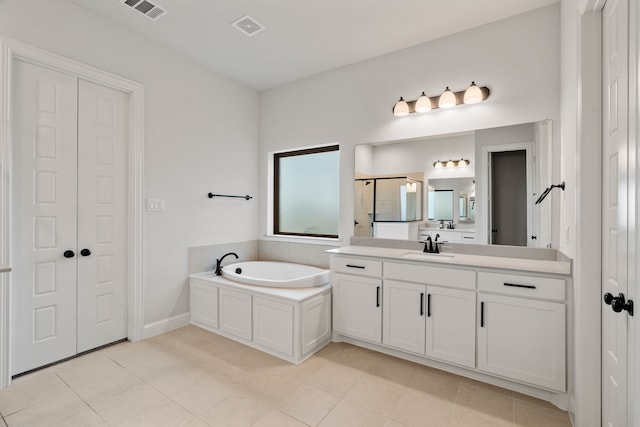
(520, 264)
(293, 294)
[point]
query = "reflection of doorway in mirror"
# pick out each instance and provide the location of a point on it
(363, 223)
(508, 198)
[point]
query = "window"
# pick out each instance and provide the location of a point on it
(307, 192)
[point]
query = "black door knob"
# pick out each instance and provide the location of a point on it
(608, 298)
(618, 303)
(85, 252)
(69, 254)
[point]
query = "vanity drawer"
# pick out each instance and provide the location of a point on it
(468, 237)
(528, 286)
(464, 279)
(449, 236)
(359, 266)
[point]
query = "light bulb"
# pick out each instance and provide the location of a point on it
(473, 94)
(401, 108)
(437, 164)
(447, 99)
(450, 164)
(423, 104)
(462, 163)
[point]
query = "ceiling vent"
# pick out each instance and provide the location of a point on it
(148, 9)
(248, 26)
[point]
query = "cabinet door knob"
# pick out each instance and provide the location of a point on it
(85, 252)
(69, 254)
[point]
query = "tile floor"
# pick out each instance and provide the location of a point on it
(190, 377)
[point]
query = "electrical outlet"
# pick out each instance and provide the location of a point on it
(155, 205)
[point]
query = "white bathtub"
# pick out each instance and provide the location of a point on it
(276, 274)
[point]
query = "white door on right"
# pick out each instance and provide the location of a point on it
(615, 154)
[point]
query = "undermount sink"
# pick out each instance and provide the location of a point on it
(426, 256)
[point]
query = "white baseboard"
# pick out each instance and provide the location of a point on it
(165, 325)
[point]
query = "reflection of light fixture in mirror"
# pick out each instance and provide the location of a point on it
(451, 164)
(401, 108)
(423, 104)
(411, 187)
(473, 94)
(447, 99)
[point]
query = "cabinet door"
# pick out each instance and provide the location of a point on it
(273, 325)
(522, 339)
(203, 297)
(404, 316)
(451, 325)
(235, 313)
(357, 306)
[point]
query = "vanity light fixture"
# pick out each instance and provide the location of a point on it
(448, 99)
(423, 104)
(401, 108)
(473, 94)
(451, 164)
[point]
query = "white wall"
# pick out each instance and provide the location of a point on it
(420, 155)
(201, 135)
(518, 58)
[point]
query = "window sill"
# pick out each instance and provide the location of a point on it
(327, 241)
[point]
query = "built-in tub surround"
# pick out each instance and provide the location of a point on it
(495, 314)
(289, 323)
(276, 274)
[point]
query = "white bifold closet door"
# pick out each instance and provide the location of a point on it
(69, 209)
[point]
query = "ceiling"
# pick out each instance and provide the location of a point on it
(302, 37)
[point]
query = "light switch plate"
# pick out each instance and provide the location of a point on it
(155, 205)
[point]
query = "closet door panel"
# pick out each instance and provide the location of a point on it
(102, 215)
(44, 216)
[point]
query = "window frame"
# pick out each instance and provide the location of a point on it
(276, 189)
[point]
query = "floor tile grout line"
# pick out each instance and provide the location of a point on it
(81, 398)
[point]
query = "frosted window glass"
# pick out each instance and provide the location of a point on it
(443, 205)
(308, 193)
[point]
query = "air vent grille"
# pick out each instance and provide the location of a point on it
(248, 26)
(147, 8)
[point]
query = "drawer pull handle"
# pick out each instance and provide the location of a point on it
(362, 267)
(428, 305)
(422, 304)
(513, 285)
(377, 296)
(482, 314)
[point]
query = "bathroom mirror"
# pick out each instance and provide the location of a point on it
(468, 204)
(458, 190)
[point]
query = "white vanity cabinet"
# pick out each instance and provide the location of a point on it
(428, 319)
(522, 331)
(488, 319)
(357, 298)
